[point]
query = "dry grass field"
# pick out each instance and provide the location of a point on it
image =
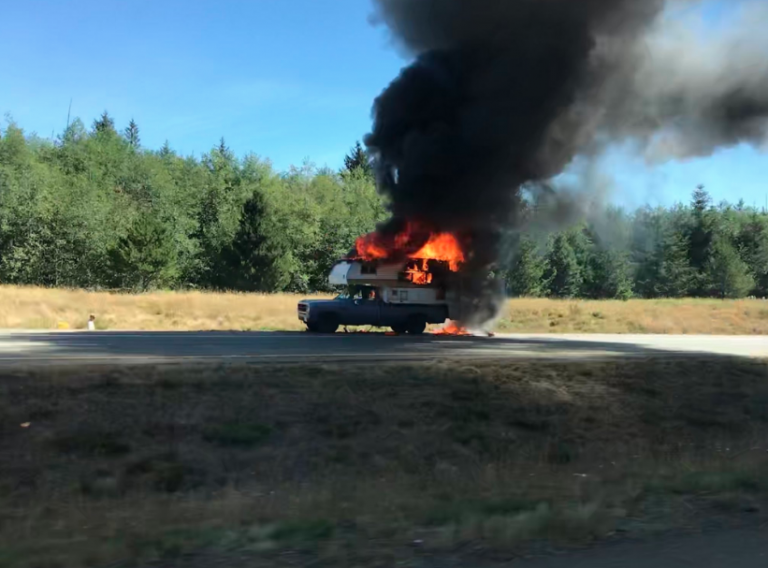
(688, 316)
(450, 464)
(43, 308)
(40, 308)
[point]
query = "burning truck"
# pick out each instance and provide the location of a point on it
(403, 281)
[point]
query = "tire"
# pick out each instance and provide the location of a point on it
(400, 328)
(312, 328)
(329, 323)
(417, 325)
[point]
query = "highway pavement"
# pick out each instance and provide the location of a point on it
(28, 348)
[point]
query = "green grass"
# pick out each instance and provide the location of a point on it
(245, 435)
(104, 444)
(352, 464)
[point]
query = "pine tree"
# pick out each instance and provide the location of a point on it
(131, 134)
(727, 276)
(752, 243)
(252, 260)
(144, 258)
(608, 275)
(104, 124)
(358, 158)
(672, 274)
(526, 275)
(563, 274)
(165, 151)
(701, 232)
(224, 151)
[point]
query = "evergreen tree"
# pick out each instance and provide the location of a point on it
(165, 151)
(526, 273)
(358, 158)
(104, 124)
(224, 152)
(145, 257)
(608, 275)
(671, 274)
(242, 268)
(132, 135)
(700, 236)
(563, 274)
(752, 243)
(727, 276)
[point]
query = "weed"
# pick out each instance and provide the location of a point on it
(718, 482)
(561, 452)
(106, 444)
(237, 434)
(302, 531)
(163, 472)
(458, 511)
(344, 422)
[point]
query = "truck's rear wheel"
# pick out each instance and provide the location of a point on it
(400, 329)
(312, 328)
(328, 323)
(417, 325)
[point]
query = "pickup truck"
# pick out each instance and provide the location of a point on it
(325, 316)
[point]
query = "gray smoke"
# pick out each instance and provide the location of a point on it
(506, 93)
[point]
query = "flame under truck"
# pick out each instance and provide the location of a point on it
(380, 295)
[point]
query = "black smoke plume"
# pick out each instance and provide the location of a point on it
(504, 93)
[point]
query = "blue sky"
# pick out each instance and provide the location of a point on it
(287, 79)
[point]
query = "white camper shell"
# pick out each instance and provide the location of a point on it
(386, 278)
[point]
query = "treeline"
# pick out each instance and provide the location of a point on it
(698, 250)
(94, 209)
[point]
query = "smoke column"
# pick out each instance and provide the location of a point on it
(503, 93)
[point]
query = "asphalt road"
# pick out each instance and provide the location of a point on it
(158, 347)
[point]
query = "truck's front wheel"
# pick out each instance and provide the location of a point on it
(417, 325)
(328, 323)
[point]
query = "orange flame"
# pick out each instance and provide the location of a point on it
(369, 249)
(420, 275)
(443, 247)
(452, 328)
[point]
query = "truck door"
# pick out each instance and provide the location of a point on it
(364, 312)
(394, 312)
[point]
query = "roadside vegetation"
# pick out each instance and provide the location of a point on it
(42, 308)
(371, 466)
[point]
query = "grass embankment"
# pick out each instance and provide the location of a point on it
(39, 308)
(369, 466)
